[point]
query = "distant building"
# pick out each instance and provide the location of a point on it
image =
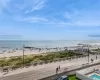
(82, 49)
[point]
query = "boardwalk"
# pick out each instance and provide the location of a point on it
(38, 72)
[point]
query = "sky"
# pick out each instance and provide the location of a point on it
(50, 19)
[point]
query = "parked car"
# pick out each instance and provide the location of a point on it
(62, 78)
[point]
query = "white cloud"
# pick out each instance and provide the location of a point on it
(69, 15)
(86, 23)
(83, 18)
(3, 4)
(76, 18)
(37, 5)
(21, 7)
(31, 19)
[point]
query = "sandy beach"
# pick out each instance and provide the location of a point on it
(35, 51)
(9, 53)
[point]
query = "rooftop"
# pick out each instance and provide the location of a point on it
(92, 73)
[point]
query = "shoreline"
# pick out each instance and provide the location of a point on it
(35, 51)
(19, 52)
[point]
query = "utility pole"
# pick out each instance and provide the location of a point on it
(88, 54)
(23, 55)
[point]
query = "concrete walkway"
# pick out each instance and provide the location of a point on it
(41, 71)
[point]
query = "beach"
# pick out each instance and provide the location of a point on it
(6, 52)
(10, 48)
(10, 53)
(49, 69)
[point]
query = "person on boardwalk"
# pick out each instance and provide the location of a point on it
(57, 70)
(59, 67)
(96, 57)
(92, 60)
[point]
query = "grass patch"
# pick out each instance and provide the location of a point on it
(72, 77)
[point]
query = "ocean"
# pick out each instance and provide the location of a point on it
(43, 43)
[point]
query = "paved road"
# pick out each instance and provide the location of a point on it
(42, 71)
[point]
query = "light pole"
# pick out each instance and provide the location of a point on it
(88, 55)
(23, 56)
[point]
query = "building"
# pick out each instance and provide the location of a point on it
(91, 73)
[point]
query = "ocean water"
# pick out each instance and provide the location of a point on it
(42, 43)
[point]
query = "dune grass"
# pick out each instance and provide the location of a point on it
(37, 59)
